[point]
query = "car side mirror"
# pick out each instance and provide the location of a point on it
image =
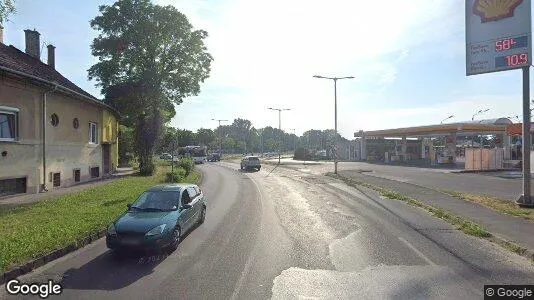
(186, 206)
(129, 205)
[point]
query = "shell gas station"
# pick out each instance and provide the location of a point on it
(492, 144)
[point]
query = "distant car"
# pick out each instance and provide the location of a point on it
(250, 162)
(158, 218)
(166, 156)
(214, 157)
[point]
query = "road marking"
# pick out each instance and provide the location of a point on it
(417, 251)
(248, 263)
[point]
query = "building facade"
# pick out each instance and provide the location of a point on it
(52, 133)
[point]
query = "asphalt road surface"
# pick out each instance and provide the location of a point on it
(292, 235)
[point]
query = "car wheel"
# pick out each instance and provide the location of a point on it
(176, 237)
(202, 216)
(259, 168)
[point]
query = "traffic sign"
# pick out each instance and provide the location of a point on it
(498, 35)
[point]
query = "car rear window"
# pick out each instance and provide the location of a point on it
(253, 158)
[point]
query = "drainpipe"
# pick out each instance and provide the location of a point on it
(43, 117)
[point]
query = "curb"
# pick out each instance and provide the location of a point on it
(46, 258)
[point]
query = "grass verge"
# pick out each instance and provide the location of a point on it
(460, 223)
(496, 204)
(29, 232)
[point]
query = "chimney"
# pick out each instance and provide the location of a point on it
(51, 56)
(32, 43)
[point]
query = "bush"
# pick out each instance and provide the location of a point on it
(187, 164)
(147, 167)
(302, 154)
(177, 176)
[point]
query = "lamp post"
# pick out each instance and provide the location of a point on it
(449, 117)
(219, 133)
(294, 140)
(280, 128)
(335, 79)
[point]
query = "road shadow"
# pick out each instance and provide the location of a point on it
(109, 271)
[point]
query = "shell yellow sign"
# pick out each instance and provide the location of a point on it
(498, 35)
(495, 10)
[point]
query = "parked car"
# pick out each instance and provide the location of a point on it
(250, 162)
(158, 218)
(214, 157)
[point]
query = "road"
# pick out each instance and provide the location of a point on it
(489, 183)
(285, 234)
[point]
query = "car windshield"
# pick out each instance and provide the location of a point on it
(253, 158)
(157, 200)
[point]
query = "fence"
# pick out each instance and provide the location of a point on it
(484, 159)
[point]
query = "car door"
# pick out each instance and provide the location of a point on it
(186, 214)
(196, 203)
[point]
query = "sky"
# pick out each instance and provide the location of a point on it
(407, 57)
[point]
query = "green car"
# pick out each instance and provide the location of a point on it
(158, 218)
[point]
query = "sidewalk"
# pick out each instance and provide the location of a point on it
(22, 199)
(510, 228)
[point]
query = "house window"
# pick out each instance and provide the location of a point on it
(12, 186)
(76, 175)
(54, 120)
(56, 179)
(95, 172)
(93, 133)
(9, 119)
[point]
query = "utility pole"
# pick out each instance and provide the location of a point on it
(335, 79)
(280, 128)
(294, 141)
(219, 133)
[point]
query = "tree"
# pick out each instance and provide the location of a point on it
(7, 7)
(186, 137)
(126, 142)
(228, 143)
(150, 59)
(205, 136)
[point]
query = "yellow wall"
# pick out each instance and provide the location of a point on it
(67, 148)
(110, 134)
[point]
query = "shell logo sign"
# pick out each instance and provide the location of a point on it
(495, 10)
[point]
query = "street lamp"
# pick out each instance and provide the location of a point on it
(219, 133)
(449, 117)
(280, 128)
(335, 79)
(294, 140)
(479, 112)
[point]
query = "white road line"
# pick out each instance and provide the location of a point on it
(417, 251)
(250, 259)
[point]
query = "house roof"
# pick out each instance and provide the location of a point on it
(13, 59)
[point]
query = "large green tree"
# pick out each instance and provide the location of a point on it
(154, 58)
(205, 136)
(7, 7)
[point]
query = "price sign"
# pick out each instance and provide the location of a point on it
(498, 35)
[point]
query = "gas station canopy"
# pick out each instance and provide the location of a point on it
(491, 126)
